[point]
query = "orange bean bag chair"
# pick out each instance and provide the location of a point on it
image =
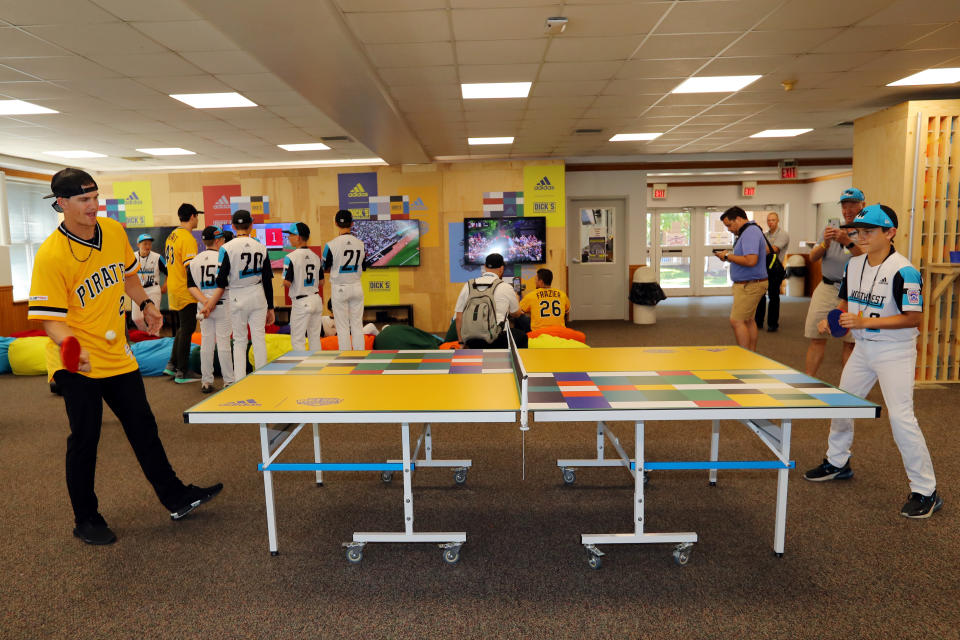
(332, 343)
(559, 332)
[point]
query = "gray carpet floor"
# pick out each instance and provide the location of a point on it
(853, 567)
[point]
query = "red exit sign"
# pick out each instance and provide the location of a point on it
(659, 192)
(788, 170)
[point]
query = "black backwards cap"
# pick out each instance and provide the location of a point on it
(242, 216)
(343, 218)
(493, 261)
(70, 182)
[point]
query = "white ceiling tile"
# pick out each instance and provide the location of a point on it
(492, 129)
(202, 83)
(567, 88)
(59, 68)
(148, 10)
(676, 68)
(641, 86)
(746, 66)
(592, 49)
(567, 71)
(397, 76)
(190, 35)
(686, 111)
(59, 12)
(412, 54)
(10, 74)
(400, 26)
(113, 38)
(501, 51)
(498, 72)
(545, 102)
(612, 19)
(707, 17)
(413, 105)
(147, 64)
(361, 6)
(225, 61)
(945, 37)
(495, 115)
(33, 90)
(705, 45)
(826, 62)
(20, 44)
(912, 12)
(815, 14)
(427, 92)
(286, 97)
(501, 24)
(253, 81)
(906, 61)
(781, 41)
(885, 38)
(801, 81)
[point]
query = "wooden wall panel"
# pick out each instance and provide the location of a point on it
(13, 315)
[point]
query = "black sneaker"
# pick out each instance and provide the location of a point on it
(94, 530)
(193, 497)
(827, 471)
(207, 388)
(921, 506)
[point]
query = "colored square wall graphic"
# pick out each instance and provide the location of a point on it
(258, 206)
(499, 204)
(112, 208)
(389, 207)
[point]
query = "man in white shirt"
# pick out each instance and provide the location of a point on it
(152, 265)
(779, 240)
(215, 329)
(505, 303)
(303, 275)
(344, 257)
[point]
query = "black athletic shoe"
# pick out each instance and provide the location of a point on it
(193, 497)
(94, 530)
(827, 471)
(921, 506)
(207, 388)
(772, 329)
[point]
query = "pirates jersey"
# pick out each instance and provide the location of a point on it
(150, 269)
(81, 282)
(304, 271)
(181, 247)
(202, 272)
(344, 257)
(546, 307)
(244, 262)
(888, 289)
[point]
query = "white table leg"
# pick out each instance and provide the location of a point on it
(268, 490)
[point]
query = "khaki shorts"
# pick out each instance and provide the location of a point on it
(823, 301)
(746, 296)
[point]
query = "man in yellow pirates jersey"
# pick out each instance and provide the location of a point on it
(181, 248)
(81, 276)
(547, 306)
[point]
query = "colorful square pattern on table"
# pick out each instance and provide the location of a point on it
(390, 362)
(682, 389)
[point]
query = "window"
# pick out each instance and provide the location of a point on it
(31, 221)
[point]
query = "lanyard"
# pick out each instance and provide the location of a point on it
(866, 261)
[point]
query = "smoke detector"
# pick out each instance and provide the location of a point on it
(555, 25)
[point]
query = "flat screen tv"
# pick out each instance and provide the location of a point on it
(389, 243)
(518, 240)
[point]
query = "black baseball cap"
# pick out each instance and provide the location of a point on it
(211, 233)
(242, 216)
(227, 235)
(493, 261)
(298, 229)
(343, 218)
(187, 210)
(70, 182)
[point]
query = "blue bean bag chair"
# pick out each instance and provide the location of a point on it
(4, 360)
(152, 355)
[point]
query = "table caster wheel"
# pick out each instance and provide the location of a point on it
(595, 562)
(646, 477)
(451, 555)
(274, 553)
(354, 555)
(713, 484)
(386, 476)
(779, 555)
(460, 476)
(681, 555)
(569, 476)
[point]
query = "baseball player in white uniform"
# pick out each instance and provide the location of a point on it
(303, 275)
(152, 265)
(244, 266)
(214, 329)
(881, 303)
(344, 258)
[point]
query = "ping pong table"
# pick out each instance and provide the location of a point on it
(636, 384)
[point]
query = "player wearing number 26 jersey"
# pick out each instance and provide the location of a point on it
(344, 258)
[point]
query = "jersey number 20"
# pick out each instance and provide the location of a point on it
(252, 264)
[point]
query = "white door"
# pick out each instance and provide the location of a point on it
(597, 262)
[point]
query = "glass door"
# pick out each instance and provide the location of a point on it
(671, 250)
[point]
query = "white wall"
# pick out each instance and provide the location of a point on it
(630, 185)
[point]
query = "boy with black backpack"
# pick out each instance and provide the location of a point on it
(483, 306)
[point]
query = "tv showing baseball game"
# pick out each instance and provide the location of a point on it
(389, 243)
(518, 240)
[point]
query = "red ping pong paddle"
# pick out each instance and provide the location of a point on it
(836, 330)
(70, 354)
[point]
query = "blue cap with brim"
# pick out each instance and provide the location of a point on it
(144, 236)
(876, 215)
(852, 195)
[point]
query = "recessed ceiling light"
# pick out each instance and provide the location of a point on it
(495, 90)
(168, 151)
(629, 137)
(714, 84)
(213, 100)
(502, 140)
(21, 108)
(308, 146)
(254, 165)
(779, 133)
(930, 76)
(75, 154)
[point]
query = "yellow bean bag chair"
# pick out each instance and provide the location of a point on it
(547, 341)
(277, 345)
(28, 356)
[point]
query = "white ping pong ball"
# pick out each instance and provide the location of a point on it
(111, 335)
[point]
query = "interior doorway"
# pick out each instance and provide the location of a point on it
(597, 261)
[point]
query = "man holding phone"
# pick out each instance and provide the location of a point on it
(748, 270)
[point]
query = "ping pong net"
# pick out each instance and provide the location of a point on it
(522, 380)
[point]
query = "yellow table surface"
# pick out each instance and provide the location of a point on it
(728, 358)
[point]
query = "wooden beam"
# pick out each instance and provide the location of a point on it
(707, 164)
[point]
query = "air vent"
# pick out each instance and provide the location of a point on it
(587, 131)
(335, 139)
(845, 123)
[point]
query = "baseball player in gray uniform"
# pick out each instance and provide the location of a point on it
(216, 328)
(245, 268)
(835, 248)
(303, 275)
(882, 305)
(344, 258)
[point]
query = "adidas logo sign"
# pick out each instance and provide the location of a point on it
(223, 202)
(418, 205)
(133, 199)
(242, 403)
(357, 192)
(543, 185)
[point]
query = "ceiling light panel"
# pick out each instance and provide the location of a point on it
(213, 100)
(930, 76)
(308, 146)
(714, 84)
(500, 140)
(75, 154)
(482, 90)
(780, 133)
(167, 151)
(21, 108)
(633, 137)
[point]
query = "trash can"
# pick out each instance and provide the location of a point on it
(796, 274)
(645, 293)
